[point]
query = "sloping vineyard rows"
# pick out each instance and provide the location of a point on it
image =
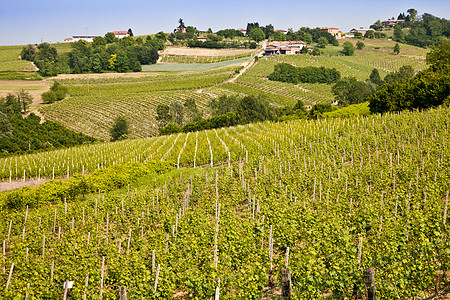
(199, 59)
(330, 191)
(92, 107)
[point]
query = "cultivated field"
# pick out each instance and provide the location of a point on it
(327, 199)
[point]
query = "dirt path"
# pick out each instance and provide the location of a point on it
(18, 184)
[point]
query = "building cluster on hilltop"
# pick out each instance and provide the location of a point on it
(90, 38)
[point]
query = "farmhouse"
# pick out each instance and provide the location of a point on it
(288, 47)
(360, 30)
(201, 38)
(120, 34)
(242, 30)
(334, 31)
(76, 38)
(391, 22)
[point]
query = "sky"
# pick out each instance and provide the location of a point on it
(32, 21)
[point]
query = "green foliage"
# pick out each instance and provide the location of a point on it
(226, 120)
(377, 25)
(287, 73)
(100, 180)
(223, 105)
(163, 115)
(348, 91)
(348, 49)
(426, 89)
(170, 128)
(375, 77)
(316, 51)
(57, 92)
(322, 42)
(27, 135)
(361, 109)
(318, 110)
(257, 34)
(404, 72)
(398, 34)
(370, 34)
(253, 109)
(440, 54)
(279, 36)
(120, 129)
(360, 45)
(229, 33)
(396, 49)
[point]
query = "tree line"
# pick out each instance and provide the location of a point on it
(19, 134)
(104, 54)
(288, 73)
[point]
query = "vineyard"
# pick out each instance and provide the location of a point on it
(327, 199)
(95, 103)
(358, 66)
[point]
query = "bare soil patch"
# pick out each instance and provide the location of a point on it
(35, 88)
(14, 185)
(195, 52)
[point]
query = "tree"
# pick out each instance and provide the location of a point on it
(439, 55)
(119, 129)
(110, 38)
(322, 42)
(316, 51)
(375, 77)
(396, 48)
(377, 25)
(360, 45)
(404, 72)
(25, 99)
(398, 34)
(253, 109)
(257, 34)
(99, 41)
(163, 115)
(5, 127)
(161, 36)
(369, 34)
(412, 14)
(307, 38)
(130, 32)
(177, 112)
(279, 36)
(349, 49)
(192, 112)
(269, 30)
(348, 91)
(319, 109)
(250, 26)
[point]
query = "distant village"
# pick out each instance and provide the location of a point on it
(272, 48)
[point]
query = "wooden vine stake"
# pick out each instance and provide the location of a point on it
(10, 275)
(4, 256)
(122, 293)
(360, 249)
(156, 279)
(369, 283)
(217, 293)
(286, 283)
(445, 209)
(102, 275)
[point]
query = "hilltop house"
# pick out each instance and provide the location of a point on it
(334, 31)
(201, 38)
(391, 22)
(360, 30)
(120, 34)
(76, 38)
(242, 30)
(283, 48)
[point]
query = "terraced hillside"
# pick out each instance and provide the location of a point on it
(328, 199)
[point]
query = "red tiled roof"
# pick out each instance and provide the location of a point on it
(326, 28)
(120, 32)
(241, 29)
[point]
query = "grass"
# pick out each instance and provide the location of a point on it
(11, 75)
